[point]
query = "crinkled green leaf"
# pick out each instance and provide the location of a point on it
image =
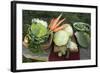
(38, 30)
(80, 26)
(83, 39)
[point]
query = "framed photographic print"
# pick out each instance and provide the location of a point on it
(47, 36)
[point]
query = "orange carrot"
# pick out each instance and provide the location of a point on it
(52, 25)
(51, 22)
(56, 21)
(59, 23)
(59, 28)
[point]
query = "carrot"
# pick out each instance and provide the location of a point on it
(51, 22)
(59, 28)
(55, 21)
(59, 23)
(52, 26)
(59, 17)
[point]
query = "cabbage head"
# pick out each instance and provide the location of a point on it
(38, 30)
(61, 38)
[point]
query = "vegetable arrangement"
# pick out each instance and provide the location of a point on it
(57, 32)
(62, 36)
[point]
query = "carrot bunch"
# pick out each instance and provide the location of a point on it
(55, 24)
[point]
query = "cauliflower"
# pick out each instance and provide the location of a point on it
(38, 21)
